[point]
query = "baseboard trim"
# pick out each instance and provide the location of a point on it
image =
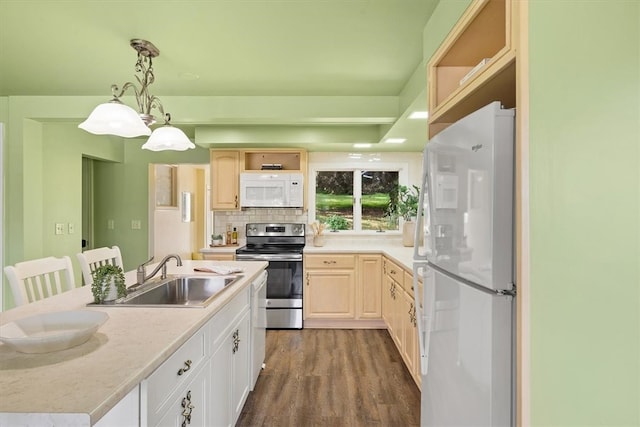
(344, 324)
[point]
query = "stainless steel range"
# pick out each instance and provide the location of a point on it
(281, 245)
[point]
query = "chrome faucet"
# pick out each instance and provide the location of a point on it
(141, 271)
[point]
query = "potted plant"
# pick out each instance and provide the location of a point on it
(404, 204)
(337, 222)
(216, 239)
(108, 283)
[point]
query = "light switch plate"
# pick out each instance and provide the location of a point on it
(135, 224)
(72, 228)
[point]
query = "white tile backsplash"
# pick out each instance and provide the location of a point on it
(239, 219)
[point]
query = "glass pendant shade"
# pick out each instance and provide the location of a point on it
(168, 137)
(115, 118)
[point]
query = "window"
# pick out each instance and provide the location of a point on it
(354, 199)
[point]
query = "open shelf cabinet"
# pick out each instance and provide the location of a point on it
(458, 82)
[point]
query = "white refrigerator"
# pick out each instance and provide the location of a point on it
(466, 265)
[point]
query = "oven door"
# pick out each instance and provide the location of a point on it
(284, 284)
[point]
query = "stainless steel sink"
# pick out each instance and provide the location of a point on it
(179, 291)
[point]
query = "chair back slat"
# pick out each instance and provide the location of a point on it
(94, 258)
(40, 278)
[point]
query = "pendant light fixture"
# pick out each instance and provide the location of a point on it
(116, 118)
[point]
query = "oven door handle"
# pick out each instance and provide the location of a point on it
(270, 257)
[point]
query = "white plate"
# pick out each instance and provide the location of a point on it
(47, 332)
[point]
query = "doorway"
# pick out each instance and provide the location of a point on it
(87, 204)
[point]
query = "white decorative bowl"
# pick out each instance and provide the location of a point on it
(47, 332)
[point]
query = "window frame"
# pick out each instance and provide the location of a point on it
(403, 179)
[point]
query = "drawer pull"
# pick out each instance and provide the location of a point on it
(187, 366)
(329, 262)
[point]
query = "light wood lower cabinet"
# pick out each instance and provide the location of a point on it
(219, 256)
(369, 287)
(329, 294)
(342, 290)
(400, 315)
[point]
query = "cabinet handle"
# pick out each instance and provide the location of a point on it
(236, 341)
(412, 314)
(187, 409)
(236, 201)
(393, 272)
(329, 262)
(307, 279)
(187, 366)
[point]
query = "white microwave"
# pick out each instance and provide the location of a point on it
(271, 190)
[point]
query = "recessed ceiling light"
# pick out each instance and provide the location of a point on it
(395, 140)
(419, 115)
(361, 145)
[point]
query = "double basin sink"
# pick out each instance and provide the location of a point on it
(178, 291)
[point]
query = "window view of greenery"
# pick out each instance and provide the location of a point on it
(335, 193)
(334, 199)
(377, 189)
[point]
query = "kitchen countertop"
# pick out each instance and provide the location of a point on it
(88, 380)
(388, 245)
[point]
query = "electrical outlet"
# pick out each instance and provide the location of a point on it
(110, 224)
(59, 228)
(136, 224)
(72, 228)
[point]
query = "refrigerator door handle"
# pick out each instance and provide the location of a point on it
(420, 218)
(424, 312)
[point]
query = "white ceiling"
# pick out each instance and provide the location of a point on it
(215, 48)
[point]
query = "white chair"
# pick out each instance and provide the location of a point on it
(94, 258)
(40, 278)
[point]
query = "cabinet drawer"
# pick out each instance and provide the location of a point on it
(333, 261)
(177, 369)
(394, 271)
(223, 319)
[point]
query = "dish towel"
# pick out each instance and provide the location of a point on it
(220, 269)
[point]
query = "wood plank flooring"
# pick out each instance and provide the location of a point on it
(332, 377)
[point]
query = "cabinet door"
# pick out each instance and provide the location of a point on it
(392, 309)
(225, 176)
(387, 287)
(240, 365)
(230, 378)
(220, 387)
(369, 287)
(409, 331)
(191, 406)
(329, 294)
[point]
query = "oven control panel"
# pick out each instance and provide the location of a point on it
(280, 230)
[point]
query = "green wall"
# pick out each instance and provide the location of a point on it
(121, 194)
(584, 160)
(43, 179)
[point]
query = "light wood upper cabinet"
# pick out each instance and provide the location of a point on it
(294, 160)
(225, 180)
(226, 167)
(475, 64)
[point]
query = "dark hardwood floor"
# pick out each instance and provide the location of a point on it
(331, 377)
